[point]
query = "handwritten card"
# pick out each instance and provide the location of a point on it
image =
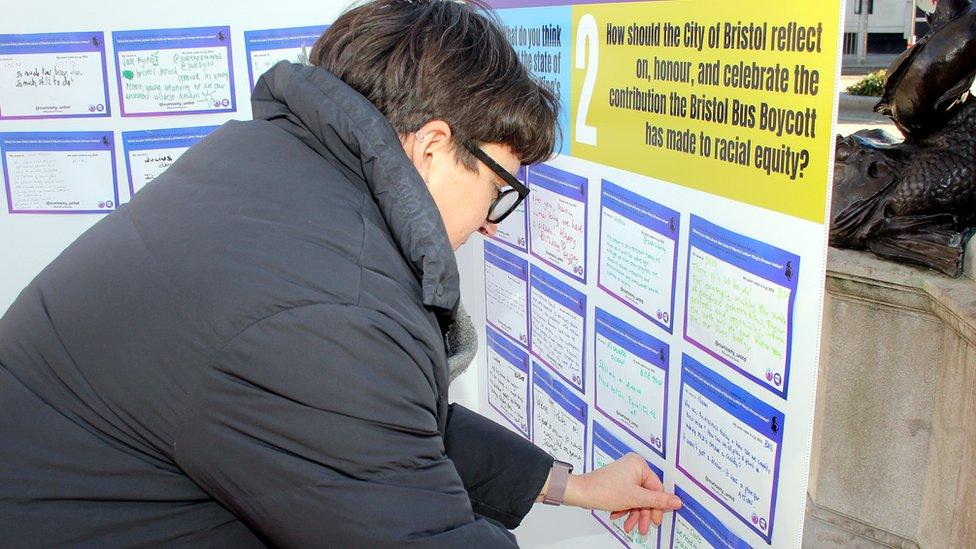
(638, 253)
(557, 224)
(149, 153)
(175, 71)
(558, 315)
(739, 302)
(631, 379)
(506, 292)
(59, 172)
(266, 47)
(558, 420)
(694, 527)
(729, 444)
(607, 449)
(508, 380)
(514, 228)
(53, 75)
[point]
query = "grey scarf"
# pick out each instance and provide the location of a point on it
(462, 343)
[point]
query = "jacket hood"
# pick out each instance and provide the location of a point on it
(340, 124)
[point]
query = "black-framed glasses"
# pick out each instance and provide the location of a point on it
(507, 200)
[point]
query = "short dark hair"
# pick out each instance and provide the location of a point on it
(423, 60)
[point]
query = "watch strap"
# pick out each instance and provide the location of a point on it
(558, 479)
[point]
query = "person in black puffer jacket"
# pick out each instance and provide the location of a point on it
(252, 351)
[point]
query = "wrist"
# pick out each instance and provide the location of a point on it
(576, 491)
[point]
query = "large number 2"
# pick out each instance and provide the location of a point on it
(586, 35)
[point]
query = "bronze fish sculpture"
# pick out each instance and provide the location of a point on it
(927, 83)
(915, 200)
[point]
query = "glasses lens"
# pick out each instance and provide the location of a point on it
(505, 204)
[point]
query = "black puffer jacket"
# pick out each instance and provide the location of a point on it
(252, 352)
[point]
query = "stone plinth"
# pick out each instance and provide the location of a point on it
(894, 448)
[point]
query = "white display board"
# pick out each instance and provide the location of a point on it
(668, 267)
(95, 101)
(642, 400)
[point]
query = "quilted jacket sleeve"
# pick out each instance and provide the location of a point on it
(502, 472)
(317, 427)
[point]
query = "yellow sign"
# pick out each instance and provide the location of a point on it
(733, 99)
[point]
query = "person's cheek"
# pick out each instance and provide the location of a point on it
(484, 227)
(480, 216)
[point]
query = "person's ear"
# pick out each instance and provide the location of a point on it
(427, 145)
(434, 138)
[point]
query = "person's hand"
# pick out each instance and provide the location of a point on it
(625, 487)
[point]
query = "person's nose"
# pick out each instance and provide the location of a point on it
(489, 229)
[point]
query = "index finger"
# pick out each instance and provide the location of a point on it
(657, 499)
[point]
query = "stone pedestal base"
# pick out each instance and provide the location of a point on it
(894, 448)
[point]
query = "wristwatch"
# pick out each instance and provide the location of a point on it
(558, 479)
